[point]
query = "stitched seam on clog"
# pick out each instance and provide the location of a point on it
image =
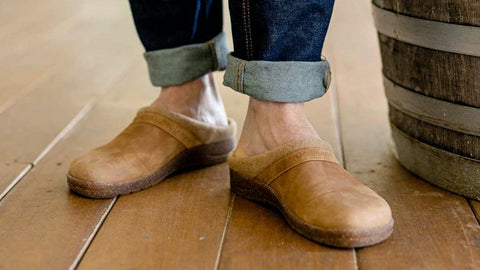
(253, 165)
(296, 152)
(291, 167)
(169, 126)
(297, 157)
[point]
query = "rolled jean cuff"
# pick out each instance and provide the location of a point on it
(179, 65)
(283, 81)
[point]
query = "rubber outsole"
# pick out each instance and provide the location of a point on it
(195, 157)
(260, 192)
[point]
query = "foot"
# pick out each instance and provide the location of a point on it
(280, 160)
(185, 128)
(272, 124)
(198, 99)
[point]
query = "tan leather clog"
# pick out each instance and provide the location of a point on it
(155, 145)
(317, 197)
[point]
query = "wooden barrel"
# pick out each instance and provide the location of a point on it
(431, 64)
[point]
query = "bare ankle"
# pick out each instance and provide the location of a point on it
(267, 107)
(271, 124)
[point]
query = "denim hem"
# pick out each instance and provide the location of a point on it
(283, 81)
(179, 65)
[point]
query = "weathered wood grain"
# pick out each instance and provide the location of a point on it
(450, 11)
(446, 139)
(452, 172)
(442, 75)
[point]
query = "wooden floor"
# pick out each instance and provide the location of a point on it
(72, 75)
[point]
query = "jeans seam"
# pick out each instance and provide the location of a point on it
(242, 76)
(237, 75)
(211, 45)
(247, 28)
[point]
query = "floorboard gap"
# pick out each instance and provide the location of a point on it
(90, 238)
(224, 233)
(474, 212)
(69, 127)
(338, 132)
(80, 115)
(355, 262)
(15, 181)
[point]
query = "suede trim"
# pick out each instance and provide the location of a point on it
(188, 131)
(252, 166)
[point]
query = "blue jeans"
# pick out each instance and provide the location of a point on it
(277, 44)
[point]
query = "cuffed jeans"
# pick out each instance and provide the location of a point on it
(277, 44)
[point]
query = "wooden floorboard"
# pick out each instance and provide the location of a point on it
(434, 229)
(49, 44)
(42, 223)
(258, 238)
(177, 224)
(23, 17)
(85, 68)
(74, 79)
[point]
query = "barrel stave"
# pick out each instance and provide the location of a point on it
(443, 75)
(445, 139)
(466, 12)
